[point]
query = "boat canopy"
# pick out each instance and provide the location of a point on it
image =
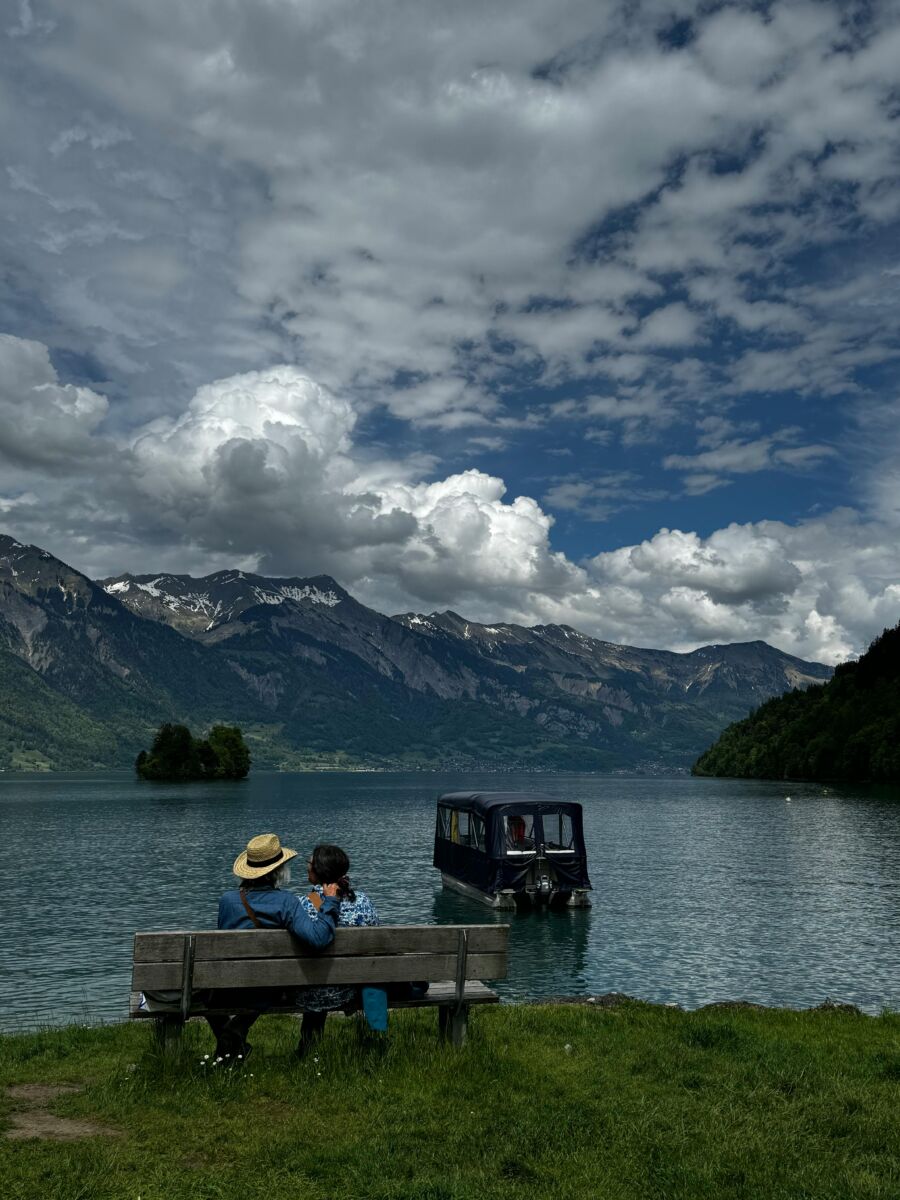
(490, 839)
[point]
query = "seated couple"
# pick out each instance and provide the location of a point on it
(260, 903)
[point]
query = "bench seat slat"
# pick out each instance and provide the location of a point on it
(213, 945)
(296, 972)
(444, 992)
(439, 993)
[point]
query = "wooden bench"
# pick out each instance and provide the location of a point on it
(453, 959)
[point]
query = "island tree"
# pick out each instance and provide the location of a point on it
(177, 756)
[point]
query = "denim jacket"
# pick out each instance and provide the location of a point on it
(276, 909)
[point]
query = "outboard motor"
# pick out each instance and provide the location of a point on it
(543, 882)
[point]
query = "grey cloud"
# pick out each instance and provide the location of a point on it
(672, 325)
(599, 497)
(739, 457)
(44, 423)
(28, 24)
(360, 197)
(699, 483)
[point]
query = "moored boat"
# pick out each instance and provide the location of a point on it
(512, 849)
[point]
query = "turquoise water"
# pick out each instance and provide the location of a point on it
(704, 889)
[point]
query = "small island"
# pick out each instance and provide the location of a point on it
(176, 756)
(846, 730)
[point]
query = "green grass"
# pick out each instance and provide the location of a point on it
(545, 1101)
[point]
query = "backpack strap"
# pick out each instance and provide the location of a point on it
(250, 913)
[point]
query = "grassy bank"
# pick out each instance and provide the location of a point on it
(550, 1101)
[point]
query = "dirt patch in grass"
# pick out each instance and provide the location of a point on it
(41, 1093)
(38, 1123)
(32, 1120)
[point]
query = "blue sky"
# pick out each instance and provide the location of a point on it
(542, 312)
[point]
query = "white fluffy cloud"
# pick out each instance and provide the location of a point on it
(263, 467)
(473, 544)
(264, 463)
(820, 589)
(262, 470)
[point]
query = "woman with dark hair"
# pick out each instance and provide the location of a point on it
(327, 868)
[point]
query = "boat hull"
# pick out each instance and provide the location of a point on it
(525, 898)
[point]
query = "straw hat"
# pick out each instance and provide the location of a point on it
(263, 854)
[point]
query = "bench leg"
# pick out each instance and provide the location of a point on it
(453, 1022)
(168, 1034)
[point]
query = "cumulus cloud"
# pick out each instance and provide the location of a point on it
(263, 467)
(820, 589)
(738, 565)
(43, 422)
(259, 462)
(262, 470)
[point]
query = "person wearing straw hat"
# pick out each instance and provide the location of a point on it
(260, 903)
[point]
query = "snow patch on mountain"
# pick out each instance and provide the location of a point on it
(290, 592)
(416, 620)
(218, 604)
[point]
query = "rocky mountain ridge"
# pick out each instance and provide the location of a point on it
(313, 674)
(189, 606)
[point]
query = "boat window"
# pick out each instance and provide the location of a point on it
(478, 838)
(460, 827)
(443, 822)
(519, 830)
(558, 833)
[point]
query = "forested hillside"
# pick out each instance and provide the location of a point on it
(846, 729)
(39, 727)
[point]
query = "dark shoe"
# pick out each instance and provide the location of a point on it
(374, 1041)
(305, 1047)
(231, 1049)
(312, 1026)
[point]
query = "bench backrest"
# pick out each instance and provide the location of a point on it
(274, 958)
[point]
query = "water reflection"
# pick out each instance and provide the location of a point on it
(548, 948)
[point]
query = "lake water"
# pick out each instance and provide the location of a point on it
(703, 889)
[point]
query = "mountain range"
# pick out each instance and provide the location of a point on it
(88, 669)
